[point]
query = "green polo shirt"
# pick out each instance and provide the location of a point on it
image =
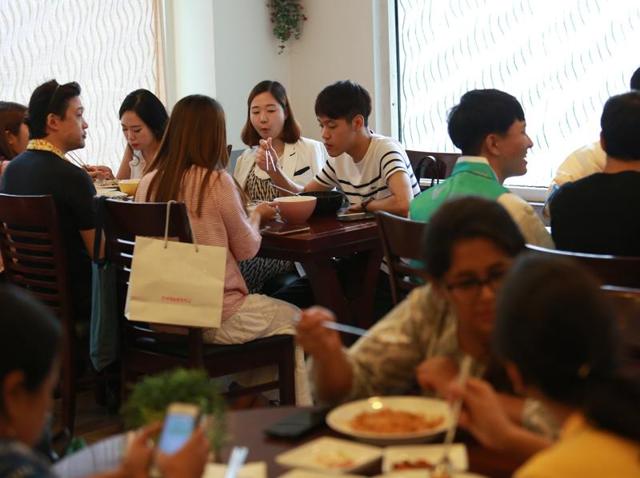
(471, 176)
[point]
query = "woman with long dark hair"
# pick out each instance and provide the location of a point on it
(14, 132)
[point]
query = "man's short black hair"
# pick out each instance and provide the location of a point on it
(620, 124)
(479, 114)
(50, 97)
(344, 99)
(634, 84)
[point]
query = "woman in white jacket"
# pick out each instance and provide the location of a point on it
(277, 154)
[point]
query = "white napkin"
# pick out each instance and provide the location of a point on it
(256, 469)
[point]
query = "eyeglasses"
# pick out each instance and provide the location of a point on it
(469, 289)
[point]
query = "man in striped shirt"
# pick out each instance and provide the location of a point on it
(373, 171)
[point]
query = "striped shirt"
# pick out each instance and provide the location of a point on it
(370, 176)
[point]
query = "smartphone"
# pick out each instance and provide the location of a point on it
(297, 425)
(354, 216)
(179, 423)
(282, 229)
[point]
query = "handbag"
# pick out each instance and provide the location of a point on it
(176, 283)
(104, 333)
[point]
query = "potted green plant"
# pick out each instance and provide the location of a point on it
(151, 396)
(287, 17)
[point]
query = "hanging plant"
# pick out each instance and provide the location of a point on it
(287, 18)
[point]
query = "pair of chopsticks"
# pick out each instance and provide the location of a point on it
(236, 460)
(75, 159)
(347, 329)
(271, 163)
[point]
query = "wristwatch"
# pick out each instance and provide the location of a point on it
(365, 203)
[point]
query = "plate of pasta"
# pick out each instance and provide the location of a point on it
(391, 420)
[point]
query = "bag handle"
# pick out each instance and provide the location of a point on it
(166, 226)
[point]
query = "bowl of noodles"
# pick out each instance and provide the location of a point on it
(391, 420)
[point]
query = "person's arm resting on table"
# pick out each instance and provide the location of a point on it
(397, 203)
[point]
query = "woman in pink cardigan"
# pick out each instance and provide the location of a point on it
(190, 166)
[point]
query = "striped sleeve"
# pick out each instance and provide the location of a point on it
(391, 163)
(327, 175)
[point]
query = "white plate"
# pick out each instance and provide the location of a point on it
(111, 193)
(430, 453)
(314, 474)
(340, 418)
(330, 454)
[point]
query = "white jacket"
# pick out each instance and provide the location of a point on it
(300, 162)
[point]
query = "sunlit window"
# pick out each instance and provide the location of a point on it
(561, 59)
(108, 46)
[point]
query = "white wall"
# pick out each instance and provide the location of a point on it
(224, 47)
(338, 43)
(189, 43)
(246, 53)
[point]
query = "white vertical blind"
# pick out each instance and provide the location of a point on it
(561, 59)
(109, 47)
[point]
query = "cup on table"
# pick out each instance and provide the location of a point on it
(128, 186)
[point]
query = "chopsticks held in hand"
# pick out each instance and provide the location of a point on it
(236, 460)
(347, 329)
(443, 467)
(75, 159)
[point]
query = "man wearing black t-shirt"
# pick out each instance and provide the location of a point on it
(57, 126)
(601, 213)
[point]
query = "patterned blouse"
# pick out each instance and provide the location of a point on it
(420, 327)
(19, 461)
(258, 270)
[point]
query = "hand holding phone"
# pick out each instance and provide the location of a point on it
(179, 423)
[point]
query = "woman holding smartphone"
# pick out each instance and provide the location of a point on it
(279, 155)
(30, 346)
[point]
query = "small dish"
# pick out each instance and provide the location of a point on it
(314, 474)
(413, 456)
(431, 409)
(257, 469)
(330, 455)
(422, 474)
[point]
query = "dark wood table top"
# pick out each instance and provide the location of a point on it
(246, 428)
(327, 237)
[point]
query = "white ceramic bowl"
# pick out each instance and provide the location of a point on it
(295, 209)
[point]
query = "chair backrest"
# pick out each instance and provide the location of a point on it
(626, 303)
(123, 221)
(611, 270)
(33, 252)
(432, 165)
(402, 243)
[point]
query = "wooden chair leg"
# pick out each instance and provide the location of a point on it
(286, 375)
(68, 386)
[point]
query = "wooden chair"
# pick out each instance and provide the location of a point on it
(147, 351)
(402, 242)
(626, 303)
(431, 165)
(611, 270)
(35, 259)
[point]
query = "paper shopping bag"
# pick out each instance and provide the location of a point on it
(176, 283)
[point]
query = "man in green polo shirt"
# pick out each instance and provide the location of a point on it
(489, 128)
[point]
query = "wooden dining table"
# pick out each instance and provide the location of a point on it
(246, 428)
(316, 248)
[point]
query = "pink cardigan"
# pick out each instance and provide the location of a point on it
(223, 222)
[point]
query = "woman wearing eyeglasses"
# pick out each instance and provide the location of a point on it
(563, 348)
(469, 247)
